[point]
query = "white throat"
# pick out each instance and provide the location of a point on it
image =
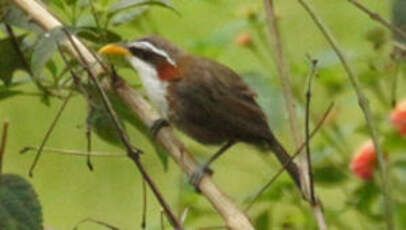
(154, 87)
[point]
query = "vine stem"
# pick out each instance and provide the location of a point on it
(91, 220)
(284, 72)
(73, 152)
(3, 145)
(49, 132)
(364, 105)
(312, 73)
(376, 17)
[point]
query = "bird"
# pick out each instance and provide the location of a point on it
(206, 100)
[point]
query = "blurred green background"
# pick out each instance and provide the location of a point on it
(69, 192)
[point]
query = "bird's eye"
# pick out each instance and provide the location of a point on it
(140, 53)
(144, 54)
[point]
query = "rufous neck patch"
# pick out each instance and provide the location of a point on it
(168, 72)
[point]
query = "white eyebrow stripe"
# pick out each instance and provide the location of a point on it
(148, 45)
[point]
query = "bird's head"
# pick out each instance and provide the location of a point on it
(150, 53)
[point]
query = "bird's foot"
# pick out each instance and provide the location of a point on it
(198, 175)
(157, 125)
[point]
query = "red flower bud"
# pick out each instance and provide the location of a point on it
(364, 163)
(244, 39)
(398, 117)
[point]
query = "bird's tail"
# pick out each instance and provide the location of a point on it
(285, 159)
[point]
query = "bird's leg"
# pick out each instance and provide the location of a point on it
(204, 169)
(157, 125)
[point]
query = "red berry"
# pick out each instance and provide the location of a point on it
(364, 162)
(398, 117)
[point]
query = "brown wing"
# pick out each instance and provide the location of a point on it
(213, 104)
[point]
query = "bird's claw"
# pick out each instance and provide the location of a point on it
(198, 175)
(157, 125)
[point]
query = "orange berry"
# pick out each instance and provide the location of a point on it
(244, 39)
(398, 117)
(364, 163)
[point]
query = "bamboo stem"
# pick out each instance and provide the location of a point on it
(233, 217)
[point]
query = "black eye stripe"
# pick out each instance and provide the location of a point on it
(147, 55)
(141, 53)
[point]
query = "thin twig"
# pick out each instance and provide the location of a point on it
(213, 228)
(48, 133)
(394, 88)
(91, 220)
(89, 141)
(3, 145)
(73, 152)
(81, 88)
(283, 69)
(144, 205)
(184, 216)
(364, 105)
(376, 17)
(307, 127)
(133, 153)
(298, 151)
(399, 45)
(162, 220)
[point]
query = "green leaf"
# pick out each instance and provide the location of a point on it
(329, 175)
(59, 3)
(45, 99)
(400, 163)
(162, 154)
(277, 190)
(377, 37)
(4, 94)
(95, 34)
(45, 48)
(10, 60)
(103, 125)
(128, 4)
(18, 18)
(394, 141)
(399, 17)
(130, 15)
(333, 81)
(262, 221)
(269, 97)
(20, 208)
(370, 77)
(52, 68)
(4, 7)
(365, 195)
(400, 208)
(71, 2)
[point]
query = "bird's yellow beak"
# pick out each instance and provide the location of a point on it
(114, 49)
